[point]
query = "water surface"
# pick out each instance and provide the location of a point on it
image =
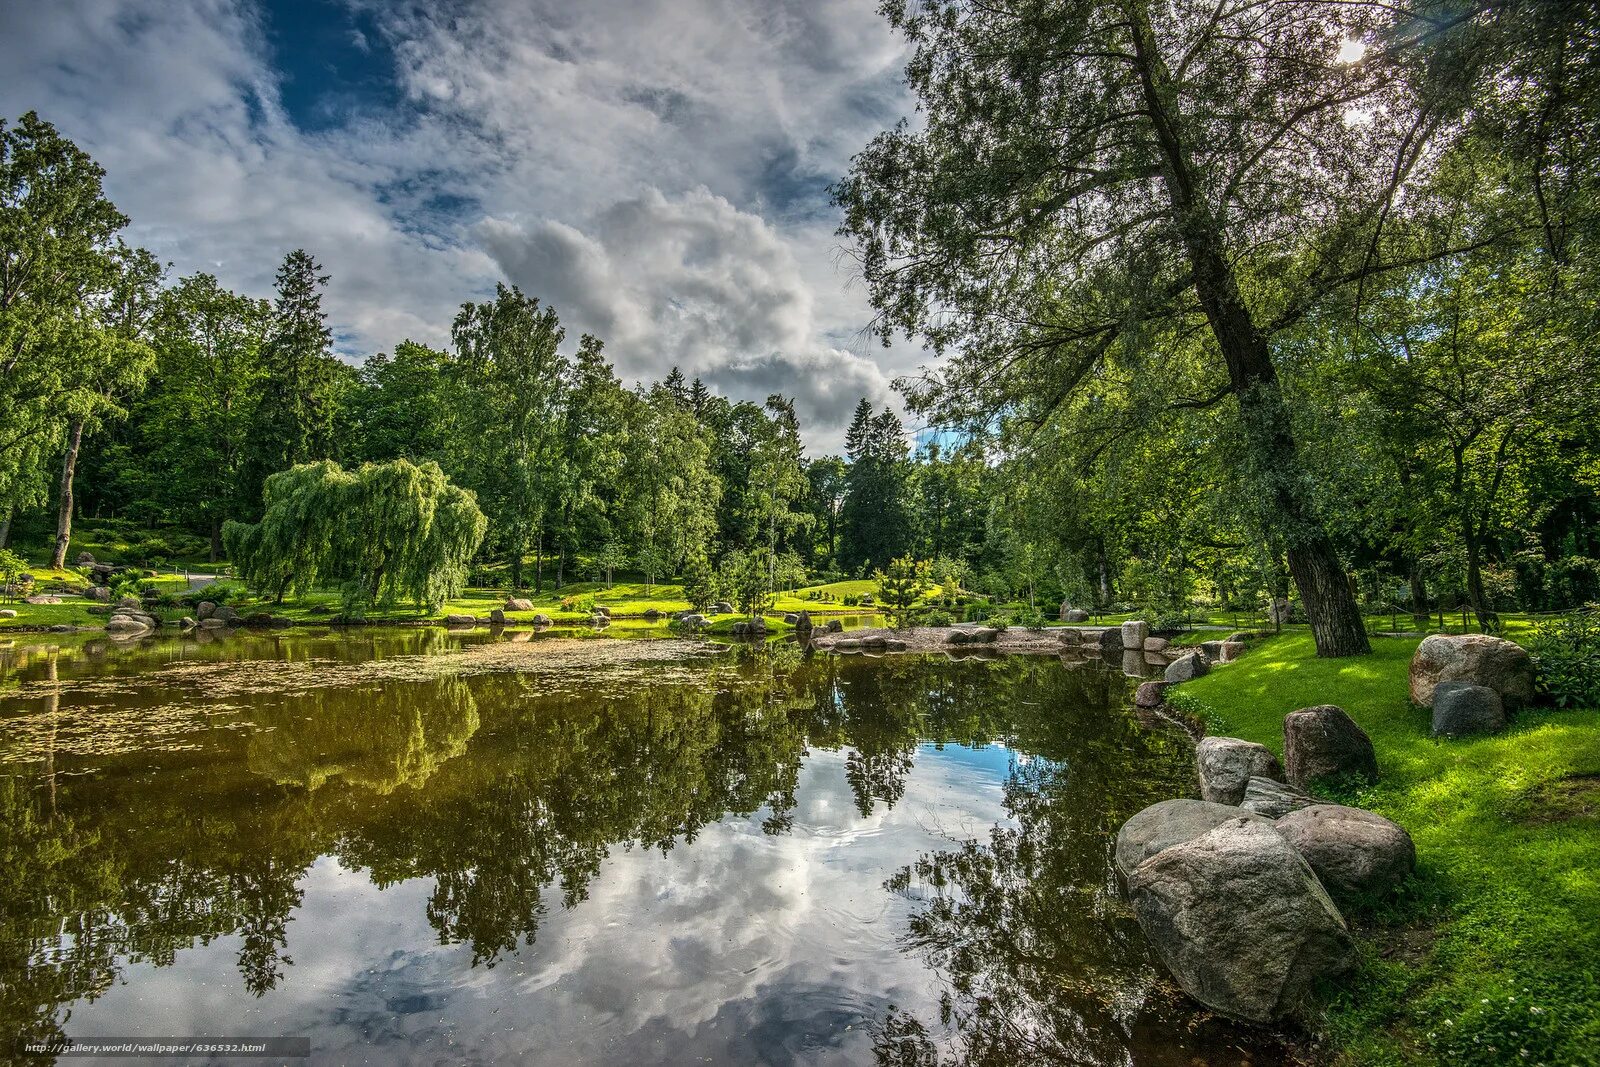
(416, 847)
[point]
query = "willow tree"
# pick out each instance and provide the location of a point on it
(1099, 179)
(385, 532)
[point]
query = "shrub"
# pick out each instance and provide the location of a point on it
(1567, 651)
(937, 618)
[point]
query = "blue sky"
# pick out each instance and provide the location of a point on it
(656, 169)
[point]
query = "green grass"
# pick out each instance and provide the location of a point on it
(1495, 947)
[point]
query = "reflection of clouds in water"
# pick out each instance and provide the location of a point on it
(739, 947)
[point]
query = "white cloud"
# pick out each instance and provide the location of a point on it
(655, 170)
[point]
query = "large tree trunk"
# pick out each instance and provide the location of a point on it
(5, 528)
(69, 467)
(1488, 618)
(1419, 595)
(1271, 458)
(216, 540)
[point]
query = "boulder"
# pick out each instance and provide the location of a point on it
(127, 624)
(98, 593)
(651, 614)
(1074, 615)
(1324, 742)
(601, 609)
(1168, 823)
(225, 613)
(692, 620)
(1501, 665)
(1240, 920)
(1188, 666)
(497, 617)
(848, 644)
(460, 620)
(129, 603)
(835, 626)
(722, 607)
(85, 559)
(802, 621)
(213, 623)
(1279, 612)
(867, 601)
(1273, 799)
(46, 599)
(1110, 642)
(188, 623)
(517, 603)
(1231, 651)
(541, 619)
(1226, 765)
(875, 642)
(1134, 633)
(8, 613)
(894, 644)
(1070, 635)
(1150, 694)
(205, 609)
(1461, 708)
(1356, 853)
(1156, 644)
(790, 618)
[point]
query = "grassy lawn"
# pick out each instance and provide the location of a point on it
(1493, 954)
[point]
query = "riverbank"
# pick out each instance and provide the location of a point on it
(1490, 955)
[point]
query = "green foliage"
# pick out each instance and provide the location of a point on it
(12, 568)
(384, 532)
(746, 578)
(1567, 651)
(702, 586)
(901, 586)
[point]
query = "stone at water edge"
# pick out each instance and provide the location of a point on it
(541, 620)
(1162, 825)
(497, 617)
(1150, 694)
(1156, 644)
(460, 620)
(1133, 663)
(790, 618)
(1240, 919)
(1074, 615)
(1356, 853)
(1225, 766)
(1502, 665)
(1273, 799)
(835, 626)
(1324, 742)
(1110, 642)
(1187, 667)
(802, 621)
(205, 609)
(1134, 633)
(1461, 708)
(651, 614)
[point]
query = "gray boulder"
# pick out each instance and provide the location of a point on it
(722, 607)
(835, 626)
(1501, 665)
(129, 603)
(692, 620)
(460, 620)
(1186, 667)
(98, 593)
(1356, 853)
(1134, 633)
(1272, 798)
(1150, 694)
(1240, 920)
(802, 621)
(205, 609)
(651, 614)
(1461, 708)
(8, 613)
(1226, 765)
(601, 609)
(1280, 612)
(1110, 642)
(497, 617)
(1168, 823)
(1156, 644)
(124, 625)
(1324, 742)
(541, 619)
(1074, 615)
(517, 603)
(225, 613)
(790, 618)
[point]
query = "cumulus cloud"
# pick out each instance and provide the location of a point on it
(657, 169)
(696, 283)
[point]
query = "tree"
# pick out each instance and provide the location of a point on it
(671, 493)
(405, 405)
(875, 515)
(384, 532)
(828, 480)
(1095, 180)
(777, 479)
(747, 579)
(512, 383)
(901, 585)
(295, 415)
(73, 298)
(593, 425)
(701, 583)
(208, 344)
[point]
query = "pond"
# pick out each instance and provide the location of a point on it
(414, 846)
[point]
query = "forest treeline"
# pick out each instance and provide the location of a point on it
(1295, 299)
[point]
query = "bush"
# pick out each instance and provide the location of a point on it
(1567, 651)
(937, 618)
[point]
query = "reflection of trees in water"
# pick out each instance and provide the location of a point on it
(1041, 961)
(377, 739)
(133, 868)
